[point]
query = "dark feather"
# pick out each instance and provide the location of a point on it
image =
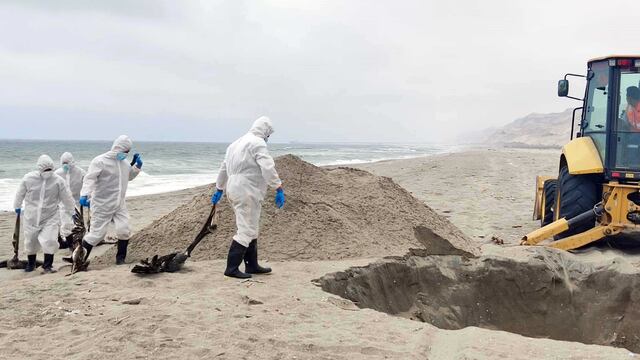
(77, 234)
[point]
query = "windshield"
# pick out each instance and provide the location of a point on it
(595, 118)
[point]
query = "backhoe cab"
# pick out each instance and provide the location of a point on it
(596, 192)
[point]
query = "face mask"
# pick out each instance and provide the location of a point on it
(47, 174)
(121, 156)
(66, 167)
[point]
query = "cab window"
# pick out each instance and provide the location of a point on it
(595, 118)
(628, 121)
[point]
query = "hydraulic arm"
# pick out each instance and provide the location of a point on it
(613, 215)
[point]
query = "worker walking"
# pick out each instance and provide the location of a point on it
(104, 189)
(42, 192)
(72, 175)
(245, 174)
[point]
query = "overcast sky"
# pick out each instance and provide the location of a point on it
(348, 70)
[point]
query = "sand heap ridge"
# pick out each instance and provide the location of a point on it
(330, 214)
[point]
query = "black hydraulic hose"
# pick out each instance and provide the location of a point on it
(585, 216)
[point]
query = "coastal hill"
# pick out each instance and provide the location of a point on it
(532, 131)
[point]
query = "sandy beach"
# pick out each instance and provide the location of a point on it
(200, 314)
(377, 189)
(484, 192)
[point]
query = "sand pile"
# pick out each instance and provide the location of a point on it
(330, 214)
(547, 294)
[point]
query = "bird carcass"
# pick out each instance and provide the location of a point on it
(173, 262)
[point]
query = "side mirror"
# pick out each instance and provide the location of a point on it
(563, 88)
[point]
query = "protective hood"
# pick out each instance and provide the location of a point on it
(122, 144)
(44, 163)
(262, 128)
(67, 158)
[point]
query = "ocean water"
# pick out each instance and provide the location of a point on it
(170, 166)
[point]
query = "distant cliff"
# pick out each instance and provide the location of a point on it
(534, 130)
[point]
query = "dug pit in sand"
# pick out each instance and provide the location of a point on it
(541, 293)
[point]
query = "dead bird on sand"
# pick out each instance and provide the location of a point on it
(173, 262)
(77, 260)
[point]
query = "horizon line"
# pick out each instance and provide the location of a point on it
(228, 142)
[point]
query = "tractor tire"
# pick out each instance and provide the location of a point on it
(549, 192)
(576, 194)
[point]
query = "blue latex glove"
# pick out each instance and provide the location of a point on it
(84, 201)
(279, 198)
(18, 211)
(216, 197)
(137, 160)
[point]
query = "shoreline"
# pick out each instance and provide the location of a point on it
(453, 150)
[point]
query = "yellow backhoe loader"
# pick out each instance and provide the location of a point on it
(597, 191)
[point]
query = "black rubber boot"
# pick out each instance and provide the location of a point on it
(63, 244)
(47, 266)
(251, 265)
(87, 250)
(31, 263)
(122, 251)
(234, 259)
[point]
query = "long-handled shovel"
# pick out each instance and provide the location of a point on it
(174, 261)
(15, 263)
(88, 217)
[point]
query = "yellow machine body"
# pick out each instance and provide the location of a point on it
(582, 157)
(613, 220)
(603, 157)
(538, 209)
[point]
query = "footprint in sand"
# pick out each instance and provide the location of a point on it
(147, 284)
(171, 331)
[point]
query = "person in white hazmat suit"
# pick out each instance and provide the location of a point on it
(245, 174)
(72, 175)
(104, 189)
(42, 193)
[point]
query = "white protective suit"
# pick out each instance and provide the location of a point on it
(106, 184)
(40, 216)
(73, 179)
(245, 173)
